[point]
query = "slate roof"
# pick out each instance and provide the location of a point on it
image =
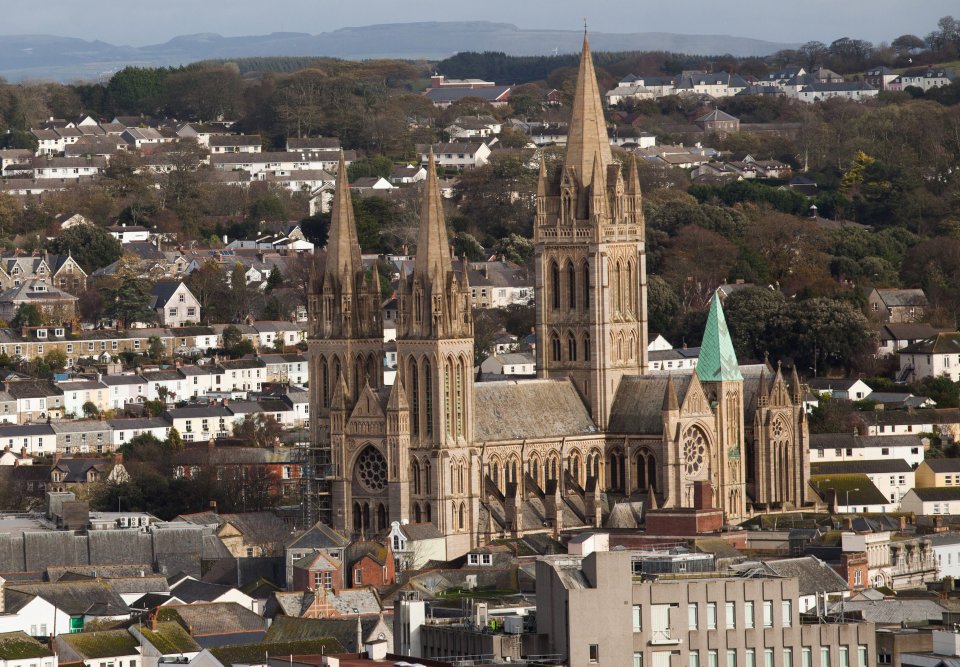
(868, 467)
(813, 575)
(21, 646)
(896, 612)
(215, 618)
(343, 630)
(320, 536)
(89, 598)
(529, 409)
(938, 493)
(942, 343)
(852, 441)
(93, 645)
(943, 465)
(907, 331)
(192, 590)
(170, 638)
(902, 297)
(637, 406)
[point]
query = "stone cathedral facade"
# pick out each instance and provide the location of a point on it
(595, 437)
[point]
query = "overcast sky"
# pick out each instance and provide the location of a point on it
(139, 22)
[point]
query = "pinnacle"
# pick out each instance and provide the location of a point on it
(433, 245)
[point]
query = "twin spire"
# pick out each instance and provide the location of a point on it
(343, 246)
(433, 246)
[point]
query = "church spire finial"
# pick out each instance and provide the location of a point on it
(343, 247)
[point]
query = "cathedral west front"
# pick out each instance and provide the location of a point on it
(596, 436)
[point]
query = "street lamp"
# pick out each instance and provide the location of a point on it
(848, 497)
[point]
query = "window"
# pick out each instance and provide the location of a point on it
(748, 613)
(711, 616)
(885, 451)
(358, 576)
(788, 657)
(692, 615)
(593, 652)
(786, 612)
(768, 613)
(768, 657)
(694, 658)
(637, 613)
(731, 658)
(861, 653)
(844, 656)
(731, 614)
(637, 659)
(751, 657)
(858, 577)
(806, 657)
(712, 658)
(824, 656)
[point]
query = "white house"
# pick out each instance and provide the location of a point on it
(123, 389)
(932, 501)
(202, 423)
(34, 438)
(510, 363)
(829, 447)
(414, 544)
(291, 368)
(32, 615)
(847, 389)
(269, 332)
(174, 303)
(456, 155)
(129, 233)
(932, 357)
(67, 167)
(123, 431)
(79, 392)
(946, 548)
(235, 143)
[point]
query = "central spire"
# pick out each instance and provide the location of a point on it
(433, 246)
(587, 137)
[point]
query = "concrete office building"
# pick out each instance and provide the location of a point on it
(596, 612)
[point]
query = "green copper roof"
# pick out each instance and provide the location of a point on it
(717, 361)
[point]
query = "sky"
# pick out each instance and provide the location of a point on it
(141, 22)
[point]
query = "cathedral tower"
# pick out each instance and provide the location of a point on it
(719, 373)
(590, 261)
(435, 365)
(345, 351)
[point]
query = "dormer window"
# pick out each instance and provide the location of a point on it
(58, 332)
(41, 333)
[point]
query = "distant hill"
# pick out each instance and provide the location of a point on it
(67, 59)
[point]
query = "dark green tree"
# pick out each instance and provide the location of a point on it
(91, 246)
(128, 300)
(27, 315)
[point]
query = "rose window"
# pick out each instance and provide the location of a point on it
(372, 469)
(694, 451)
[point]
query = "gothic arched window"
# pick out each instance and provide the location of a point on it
(555, 346)
(555, 285)
(571, 346)
(585, 281)
(586, 347)
(571, 287)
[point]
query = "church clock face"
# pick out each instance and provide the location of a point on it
(693, 451)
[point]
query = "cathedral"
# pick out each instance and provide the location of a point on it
(595, 437)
